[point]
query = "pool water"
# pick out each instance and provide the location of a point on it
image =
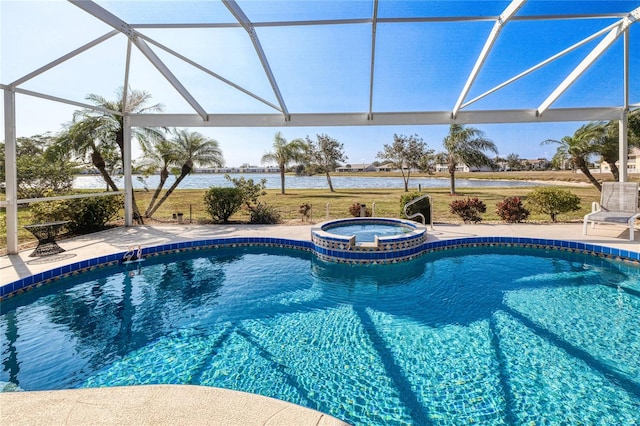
(486, 335)
(368, 231)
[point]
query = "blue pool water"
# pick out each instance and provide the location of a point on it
(485, 335)
(367, 232)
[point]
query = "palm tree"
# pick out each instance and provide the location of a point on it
(577, 148)
(108, 127)
(514, 162)
(607, 144)
(283, 154)
(466, 145)
(158, 155)
(83, 137)
(191, 148)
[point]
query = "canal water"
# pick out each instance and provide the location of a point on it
(205, 181)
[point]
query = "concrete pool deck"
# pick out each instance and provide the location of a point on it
(178, 404)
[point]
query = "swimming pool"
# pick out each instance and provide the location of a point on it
(491, 335)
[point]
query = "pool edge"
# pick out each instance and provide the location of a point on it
(49, 276)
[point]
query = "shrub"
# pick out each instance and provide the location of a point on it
(354, 209)
(49, 211)
(553, 201)
(90, 214)
(421, 206)
(264, 214)
(469, 210)
(250, 191)
(222, 203)
(511, 210)
(85, 215)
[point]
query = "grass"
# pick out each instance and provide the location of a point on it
(387, 202)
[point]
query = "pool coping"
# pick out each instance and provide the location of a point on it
(49, 276)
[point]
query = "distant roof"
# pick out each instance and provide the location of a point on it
(353, 62)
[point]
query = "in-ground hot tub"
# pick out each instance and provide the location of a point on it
(368, 240)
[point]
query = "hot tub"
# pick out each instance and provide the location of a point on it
(368, 240)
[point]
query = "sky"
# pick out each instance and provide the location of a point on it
(321, 68)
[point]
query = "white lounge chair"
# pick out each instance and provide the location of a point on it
(618, 204)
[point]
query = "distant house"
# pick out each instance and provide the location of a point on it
(461, 168)
(633, 162)
(356, 168)
(255, 169)
(388, 167)
(536, 164)
(250, 169)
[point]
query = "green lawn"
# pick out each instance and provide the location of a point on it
(387, 203)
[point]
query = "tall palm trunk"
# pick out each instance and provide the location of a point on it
(164, 174)
(98, 162)
(282, 178)
(186, 169)
(452, 179)
(615, 171)
(584, 168)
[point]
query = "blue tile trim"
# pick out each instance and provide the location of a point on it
(356, 257)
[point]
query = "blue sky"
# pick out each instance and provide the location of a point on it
(419, 66)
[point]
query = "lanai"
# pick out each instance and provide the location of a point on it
(141, 23)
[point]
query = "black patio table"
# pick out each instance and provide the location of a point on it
(46, 234)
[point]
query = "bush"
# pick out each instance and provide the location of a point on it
(421, 206)
(90, 214)
(511, 210)
(222, 203)
(250, 191)
(85, 215)
(553, 201)
(49, 211)
(469, 210)
(354, 209)
(264, 214)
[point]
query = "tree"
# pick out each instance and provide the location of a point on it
(514, 162)
(607, 141)
(191, 148)
(326, 153)
(83, 138)
(43, 165)
(577, 148)
(106, 126)
(283, 154)
(158, 155)
(466, 145)
(407, 153)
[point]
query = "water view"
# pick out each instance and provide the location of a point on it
(204, 181)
